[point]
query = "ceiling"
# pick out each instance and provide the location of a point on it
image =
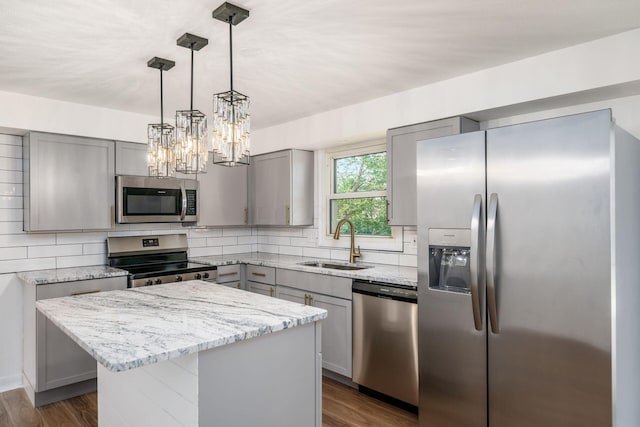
(293, 58)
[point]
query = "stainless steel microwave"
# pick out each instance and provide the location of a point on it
(142, 199)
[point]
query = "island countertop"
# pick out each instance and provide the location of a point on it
(126, 329)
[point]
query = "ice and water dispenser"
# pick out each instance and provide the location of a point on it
(449, 260)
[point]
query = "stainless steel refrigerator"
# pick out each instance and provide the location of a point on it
(529, 277)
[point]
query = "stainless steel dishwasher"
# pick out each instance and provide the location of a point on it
(385, 339)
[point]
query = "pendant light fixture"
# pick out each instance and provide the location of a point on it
(161, 146)
(192, 151)
(231, 117)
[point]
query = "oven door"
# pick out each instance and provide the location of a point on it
(144, 200)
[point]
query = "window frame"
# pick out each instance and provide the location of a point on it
(394, 242)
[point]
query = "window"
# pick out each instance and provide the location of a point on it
(359, 192)
(356, 188)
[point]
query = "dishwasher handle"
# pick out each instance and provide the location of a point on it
(386, 291)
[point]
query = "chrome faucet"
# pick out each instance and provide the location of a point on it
(353, 253)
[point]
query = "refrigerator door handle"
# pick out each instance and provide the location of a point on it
(492, 215)
(475, 260)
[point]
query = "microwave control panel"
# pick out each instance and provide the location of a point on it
(191, 202)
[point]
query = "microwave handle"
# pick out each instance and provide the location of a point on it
(184, 202)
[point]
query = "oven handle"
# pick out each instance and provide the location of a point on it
(184, 202)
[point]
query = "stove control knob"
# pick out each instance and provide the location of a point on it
(148, 282)
(157, 281)
(198, 276)
(206, 275)
(178, 278)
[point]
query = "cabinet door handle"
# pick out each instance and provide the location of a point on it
(270, 292)
(310, 300)
(233, 273)
(258, 274)
(306, 297)
(238, 285)
(288, 215)
(246, 215)
(85, 292)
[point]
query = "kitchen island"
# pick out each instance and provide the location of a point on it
(195, 353)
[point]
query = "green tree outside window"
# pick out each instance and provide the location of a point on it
(359, 193)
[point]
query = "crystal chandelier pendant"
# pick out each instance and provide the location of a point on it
(231, 118)
(191, 149)
(161, 136)
(160, 150)
(231, 122)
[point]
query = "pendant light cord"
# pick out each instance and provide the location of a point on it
(233, 107)
(161, 104)
(231, 51)
(191, 77)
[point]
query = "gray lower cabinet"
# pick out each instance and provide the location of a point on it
(230, 275)
(131, 159)
(223, 196)
(281, 188)
(68, 182)
(401, 163)
(334, 295)
(261, 280)
(55, 367)
(261, 288)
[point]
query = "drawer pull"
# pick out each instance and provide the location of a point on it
(259, 274)
(85, 292)
(233, 273)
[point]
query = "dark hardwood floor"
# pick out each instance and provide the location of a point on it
(341, 406)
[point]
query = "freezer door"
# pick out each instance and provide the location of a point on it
(548, 259)
(451, 325)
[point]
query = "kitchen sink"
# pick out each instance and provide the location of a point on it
(334, 266)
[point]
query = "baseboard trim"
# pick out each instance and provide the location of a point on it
(10, 382)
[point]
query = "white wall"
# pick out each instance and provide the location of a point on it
(601, 69)
(23, 112)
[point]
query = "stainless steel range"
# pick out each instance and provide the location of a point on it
(152, 260)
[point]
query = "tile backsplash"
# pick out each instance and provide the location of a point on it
(20, 251)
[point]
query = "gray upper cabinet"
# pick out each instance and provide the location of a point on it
(68, 183)
(281, 188)
(223, 196)
(131, 159)
(401, 163)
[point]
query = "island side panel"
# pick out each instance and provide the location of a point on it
(159, 395)
(272, 380)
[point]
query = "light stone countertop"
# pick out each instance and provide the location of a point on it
(135, 327)
(59, 275)
(378, 272)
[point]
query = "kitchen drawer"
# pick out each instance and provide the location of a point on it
(235, 285)
(339, 287)
(261, 288)
(65, 289)
(261, 274)
(228, 273)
